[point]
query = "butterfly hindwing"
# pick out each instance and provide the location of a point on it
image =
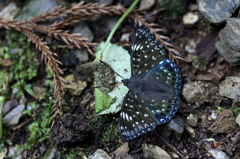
(146, 52)
(135, 118)
(163, 104)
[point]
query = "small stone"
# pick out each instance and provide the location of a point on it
(188, 59)
(146, 4)
(192, 120)
(235, 139)
(190, 18)
(6, 62)
(8, 106)
(154, 152)
(204, 120)
(224, 122)
(230, 88)
(190, 130)
(99, 154)
(84, 30)
(190, 48)
(214, 115)
(228, 46)
(9, 12)
(218, 154)
(175, 155)
(121, 152)
(198, 63)
(12, 118)
(3, 153)
(38, 91)
(175, 127)
(238, 119)
(125, 37)
(216, 11)
(192, 91)
(208, 77)
(85, 69)
(82, 55)
(13, 151)
(75, 87)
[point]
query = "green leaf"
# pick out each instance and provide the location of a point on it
(2, 98)
(119, 60)
(28, 88)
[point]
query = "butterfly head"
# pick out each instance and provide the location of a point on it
(125, 82)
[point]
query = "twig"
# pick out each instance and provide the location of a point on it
(21, 125)
(170, 145)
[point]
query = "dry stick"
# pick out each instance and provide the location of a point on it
(170, 145)
(21, 125)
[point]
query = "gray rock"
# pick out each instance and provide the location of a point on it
(217, 11)
(238, 119)
(230, 88)
(175, 127)
(99, 154)
(82, 55)
(224, 122)
(3, 152)
(198, 63)
(122, 152)
(85, 69)
(190, 130)
(84, 30)
(106, 2)
(146, 4)
(207, 77)
(228, 46)
(14, 151)
(154, 152)
(218, 154)
(37, 7)
(9, 105)
(190, 48)
(10, 11)
(192, 91)
(190, 18)
(74, 87)
(12, 118)
(192, 120)
(235, 139)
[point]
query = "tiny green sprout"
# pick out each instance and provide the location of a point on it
(219, 109)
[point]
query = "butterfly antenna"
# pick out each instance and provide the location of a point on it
(110, 68)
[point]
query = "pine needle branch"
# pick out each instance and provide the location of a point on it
(52, 63)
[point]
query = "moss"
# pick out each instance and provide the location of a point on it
(235, 108)
(24, 61)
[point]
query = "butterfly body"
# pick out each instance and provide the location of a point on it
(154, 87)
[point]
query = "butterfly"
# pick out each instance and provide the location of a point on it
(154, 87)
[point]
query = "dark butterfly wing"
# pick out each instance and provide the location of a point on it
(135, 118)
(146, 52)
(163, 104)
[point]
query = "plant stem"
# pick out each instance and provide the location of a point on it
(119, 22)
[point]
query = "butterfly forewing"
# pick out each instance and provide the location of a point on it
(146, 52)
(135, 117)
